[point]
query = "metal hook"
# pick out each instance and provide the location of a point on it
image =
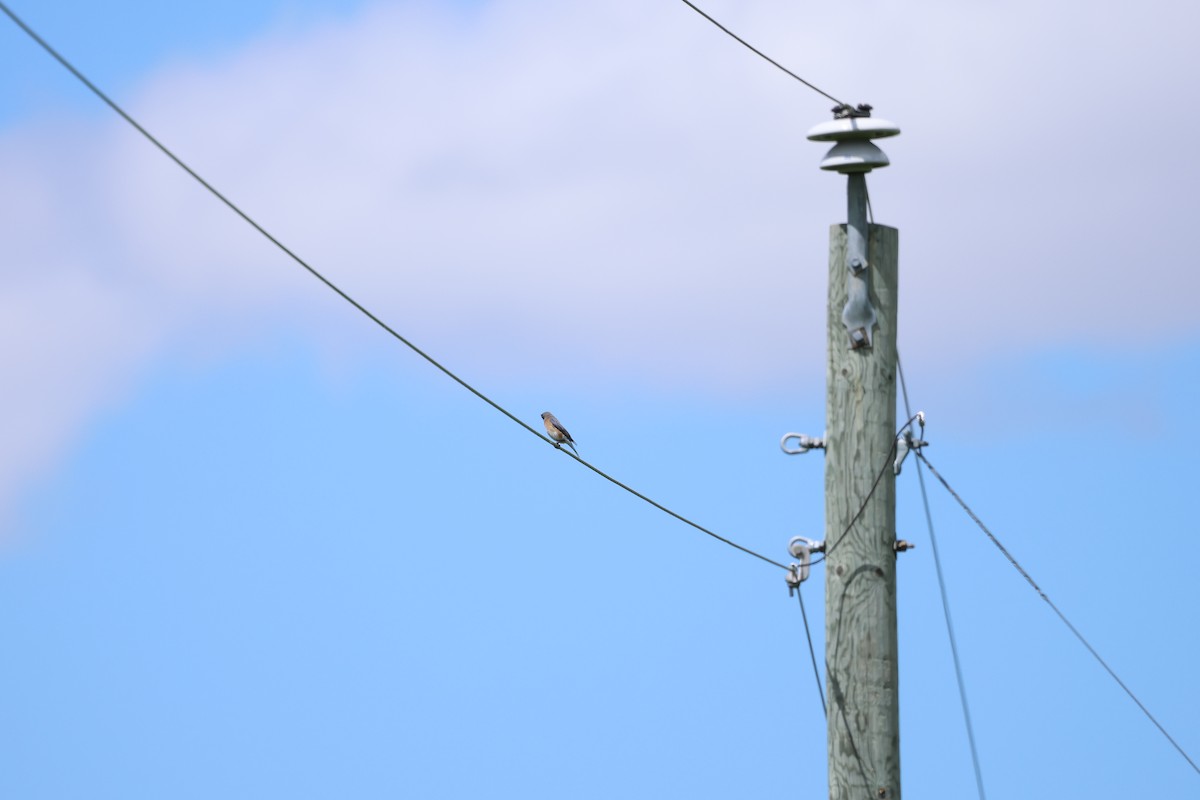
(803, 441)
(801, 548)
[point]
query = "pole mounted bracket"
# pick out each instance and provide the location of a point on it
(854, 155)
(801, 548)
(858, 315)
(905, 443)
(804, 443)
(797, 574)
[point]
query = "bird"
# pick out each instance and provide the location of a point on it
(558, 433)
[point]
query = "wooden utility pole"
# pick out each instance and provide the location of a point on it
(860, 500)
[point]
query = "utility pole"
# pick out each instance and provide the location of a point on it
(861, 651)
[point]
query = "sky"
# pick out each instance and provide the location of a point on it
(252, 546)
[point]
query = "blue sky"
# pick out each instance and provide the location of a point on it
(250, 546)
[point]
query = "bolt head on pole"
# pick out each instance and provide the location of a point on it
(854, 152)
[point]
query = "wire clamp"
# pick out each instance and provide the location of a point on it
(906, 442)
(804, 443)
(846, 111)
(796, 575)
(801, 548)
(902, 545)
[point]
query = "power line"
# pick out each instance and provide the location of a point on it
(1060, 614)
(246, 217)
(666, 510)
(811, 651)
(937, 563)
(836, 689)
(760, 53)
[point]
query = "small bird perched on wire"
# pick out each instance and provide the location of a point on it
(558, 433)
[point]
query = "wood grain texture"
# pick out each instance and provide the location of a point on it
(860, 570)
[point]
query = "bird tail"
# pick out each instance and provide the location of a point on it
(572, 446)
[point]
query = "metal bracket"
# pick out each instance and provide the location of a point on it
(904, 443)
(804, 443)
(801, 548)
(858, 315)
(903, 545)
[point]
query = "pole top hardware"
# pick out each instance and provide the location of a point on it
(853, 130)
(844, 110)
(804, 443)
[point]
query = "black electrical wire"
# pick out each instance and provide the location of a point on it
(812, 652)
(1060, 614)
(760, 53)
(937, 563)
(666, 510)
(212, 190)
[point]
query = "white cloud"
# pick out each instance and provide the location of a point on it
(618, 177)
(70, 344)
